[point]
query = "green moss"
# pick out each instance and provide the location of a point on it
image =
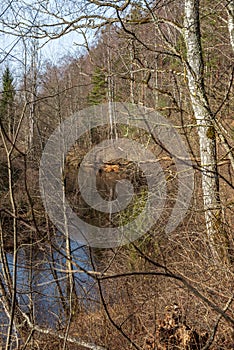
(133, 210)
(211, 133)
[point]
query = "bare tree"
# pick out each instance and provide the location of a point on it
(159, 54)
(206, 131)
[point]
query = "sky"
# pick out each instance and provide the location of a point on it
(12, 52)
(12, 48)
(53, 50)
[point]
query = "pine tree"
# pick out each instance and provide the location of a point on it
(99, 91)
(7, 100)
(97, 95)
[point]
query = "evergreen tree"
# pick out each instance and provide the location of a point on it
(97, 95)
(99, 90)
(7, 100)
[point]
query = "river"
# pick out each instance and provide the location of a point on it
(40, 276)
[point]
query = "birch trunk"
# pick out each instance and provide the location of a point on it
(230, 8)
(206, 131)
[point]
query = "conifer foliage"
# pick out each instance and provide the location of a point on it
(7, 100)
(99, 90)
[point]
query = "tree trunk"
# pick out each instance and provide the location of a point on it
(206, 132)
(230, 8)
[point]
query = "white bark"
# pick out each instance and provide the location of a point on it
(33, 93)
(219, 127)
(230, 8)
(204, 121)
